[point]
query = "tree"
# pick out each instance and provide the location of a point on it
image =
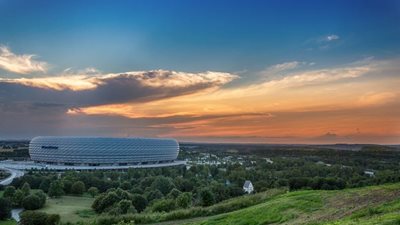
(184, 200)
(139, 202)
(31, 202)
(104, 201)
(42, 197)
(38, 218)
(78, 188)
(26, 189)
(153, 195)
(174, 193)
(5, 208)
(17, 198)
(56, 189)
(126, 185)
(93, 191)
(163, 184)
(124, 206)
(45, 184)
(207, 198)
(9, 192)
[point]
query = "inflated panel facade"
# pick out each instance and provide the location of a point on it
(102, 150)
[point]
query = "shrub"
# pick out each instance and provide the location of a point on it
(93, 191)
(184, 200)
(31, 202)
(164, 205)
(38, 218)
(78, 188)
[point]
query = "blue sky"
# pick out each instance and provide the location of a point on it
(198, 35)
(283, 71)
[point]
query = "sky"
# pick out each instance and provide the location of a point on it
(305, 72)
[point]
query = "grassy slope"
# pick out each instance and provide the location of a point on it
(70, 208)
(369, 205)
(8, 222)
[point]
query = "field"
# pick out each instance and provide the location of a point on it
(70, 208)
(370, 205)
(8, 222)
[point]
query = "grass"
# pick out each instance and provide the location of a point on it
(369, 205)
(70, 208)
(8, 222)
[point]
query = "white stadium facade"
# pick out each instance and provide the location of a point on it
(92, 153)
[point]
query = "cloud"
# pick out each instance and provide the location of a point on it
(87, 90)
(22, 64)
(332, 37)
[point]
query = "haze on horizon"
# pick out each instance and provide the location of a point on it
(202, 71)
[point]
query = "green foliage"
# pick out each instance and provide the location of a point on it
(125, 206)
(153, 195)
(45, 185)
(17, 198)
(163, 184)
(139, 202)
(56, 189)
(31, 202)
(42, 197)
(174, 193)
(5, 208)
(9, 192)
(93, 191)
(163, 205)
(125, 185)
(78, 188)
(38, 218)
(26, 189)
(105, 201)
(207, 198)
(184, 200)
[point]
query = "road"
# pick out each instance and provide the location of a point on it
(14, 174)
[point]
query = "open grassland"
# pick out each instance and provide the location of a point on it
(369, 205)
(8, 222)
(70, 208)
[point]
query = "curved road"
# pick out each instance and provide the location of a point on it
(14, 174)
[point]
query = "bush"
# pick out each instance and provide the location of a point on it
(93, 191)
(31, 202)
(38, 218)
(164, 205)
(42, 197)
(78, 188)
(5, 208)
(184, 200)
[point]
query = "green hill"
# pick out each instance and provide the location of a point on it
(368, 205)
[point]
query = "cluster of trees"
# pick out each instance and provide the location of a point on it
(24, 197)
(38, 218)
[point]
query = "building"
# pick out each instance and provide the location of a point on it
(102, 151)
(248, 187)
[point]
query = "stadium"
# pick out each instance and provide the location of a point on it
(89, 153)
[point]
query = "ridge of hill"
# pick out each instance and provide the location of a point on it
(367, 205)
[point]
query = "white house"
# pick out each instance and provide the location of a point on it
(248, 187)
